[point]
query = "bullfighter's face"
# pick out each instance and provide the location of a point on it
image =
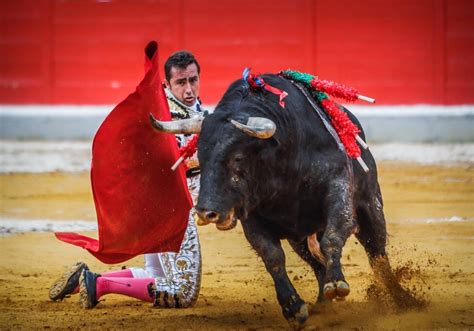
(184, 84)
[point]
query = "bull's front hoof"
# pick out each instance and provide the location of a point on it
(302, 315)
(295, 312)
(300, 318)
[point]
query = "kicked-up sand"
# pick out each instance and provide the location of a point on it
(430, 216)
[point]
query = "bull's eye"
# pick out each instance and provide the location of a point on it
(238, 158)
(234, 178)
(235, 165)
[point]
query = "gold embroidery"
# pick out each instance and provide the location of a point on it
(182, 279)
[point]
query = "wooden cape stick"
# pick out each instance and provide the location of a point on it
(364, 98)
(177, 163)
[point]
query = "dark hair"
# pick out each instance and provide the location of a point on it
(180, 59)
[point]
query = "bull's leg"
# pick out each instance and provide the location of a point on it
(373, 236)
(340, 225)
(301, 248)
(372, 232)
(268, 247)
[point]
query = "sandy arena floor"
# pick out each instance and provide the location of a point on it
(430, 217)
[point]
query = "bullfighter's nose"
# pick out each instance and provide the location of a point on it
(208, 215)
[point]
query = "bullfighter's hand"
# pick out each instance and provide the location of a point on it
(192, 163)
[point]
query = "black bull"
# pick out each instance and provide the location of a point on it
(291, 185)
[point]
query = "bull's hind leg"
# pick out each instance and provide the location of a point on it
(372, 232)
(301, 248)
(373, 236)
(268, 247)
(340, 225)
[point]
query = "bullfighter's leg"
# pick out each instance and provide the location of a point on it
(373, 236)
(182, 282)
(301, 248)
(340, 225)
(268, 247)
(176, 285)
(68, 283)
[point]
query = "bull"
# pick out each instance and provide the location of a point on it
(285, 176)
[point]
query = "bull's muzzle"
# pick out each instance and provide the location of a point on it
(222, 222)
(209, 216)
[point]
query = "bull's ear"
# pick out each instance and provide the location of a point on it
(259, 127)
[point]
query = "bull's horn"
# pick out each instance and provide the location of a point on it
(259, 127)
(187, 126)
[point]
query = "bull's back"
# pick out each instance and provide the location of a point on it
(317, 156)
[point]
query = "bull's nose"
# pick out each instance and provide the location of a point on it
(208, 215)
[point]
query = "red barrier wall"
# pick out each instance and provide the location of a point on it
(91, 52)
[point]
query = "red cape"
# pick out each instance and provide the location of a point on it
(142, 205)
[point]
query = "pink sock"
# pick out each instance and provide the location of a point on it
(132, 287)
(124, 273)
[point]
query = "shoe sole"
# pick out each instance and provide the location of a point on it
(84, 299)
(67, 283)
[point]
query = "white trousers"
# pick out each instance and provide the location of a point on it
(177, 275)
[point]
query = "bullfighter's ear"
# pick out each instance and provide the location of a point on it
(259, 127)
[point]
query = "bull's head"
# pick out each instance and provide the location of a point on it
(227, 163)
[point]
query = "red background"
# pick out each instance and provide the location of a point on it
(91, 52)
